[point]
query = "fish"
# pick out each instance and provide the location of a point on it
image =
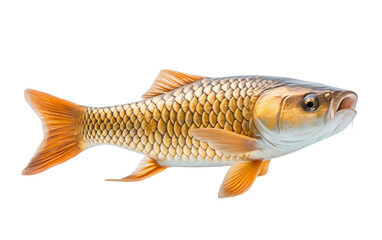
(188, 120)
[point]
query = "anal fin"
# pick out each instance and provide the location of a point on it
(239, 178)
(147, 167)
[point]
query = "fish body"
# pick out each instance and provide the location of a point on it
(193, 121)
(160, 126)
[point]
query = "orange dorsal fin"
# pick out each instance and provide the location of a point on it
(169, 80)
(225, 141)
(239, 178)
(147, 168)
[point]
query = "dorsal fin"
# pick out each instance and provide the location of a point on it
(168, 80)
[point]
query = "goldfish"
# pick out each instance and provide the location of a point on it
(194, 121)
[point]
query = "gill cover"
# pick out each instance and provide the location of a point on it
(279, 113)
(267, 110)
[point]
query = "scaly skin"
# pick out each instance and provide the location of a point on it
(159, 127)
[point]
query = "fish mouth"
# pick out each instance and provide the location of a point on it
(347, 100)
(341, 113)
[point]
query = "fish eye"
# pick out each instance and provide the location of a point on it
(310, 103)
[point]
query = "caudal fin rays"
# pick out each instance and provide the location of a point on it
(62, 140)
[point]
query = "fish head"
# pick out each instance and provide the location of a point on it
(296, 115)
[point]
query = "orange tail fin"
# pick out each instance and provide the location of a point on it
(62, 139)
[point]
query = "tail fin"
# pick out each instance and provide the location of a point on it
(62, 139)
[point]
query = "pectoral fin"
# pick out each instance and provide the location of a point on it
(147, 168)
(225, 141)
(239, 178)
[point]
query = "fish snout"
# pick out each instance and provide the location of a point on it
(345, 100)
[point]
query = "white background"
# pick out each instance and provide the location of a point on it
(101, 53)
